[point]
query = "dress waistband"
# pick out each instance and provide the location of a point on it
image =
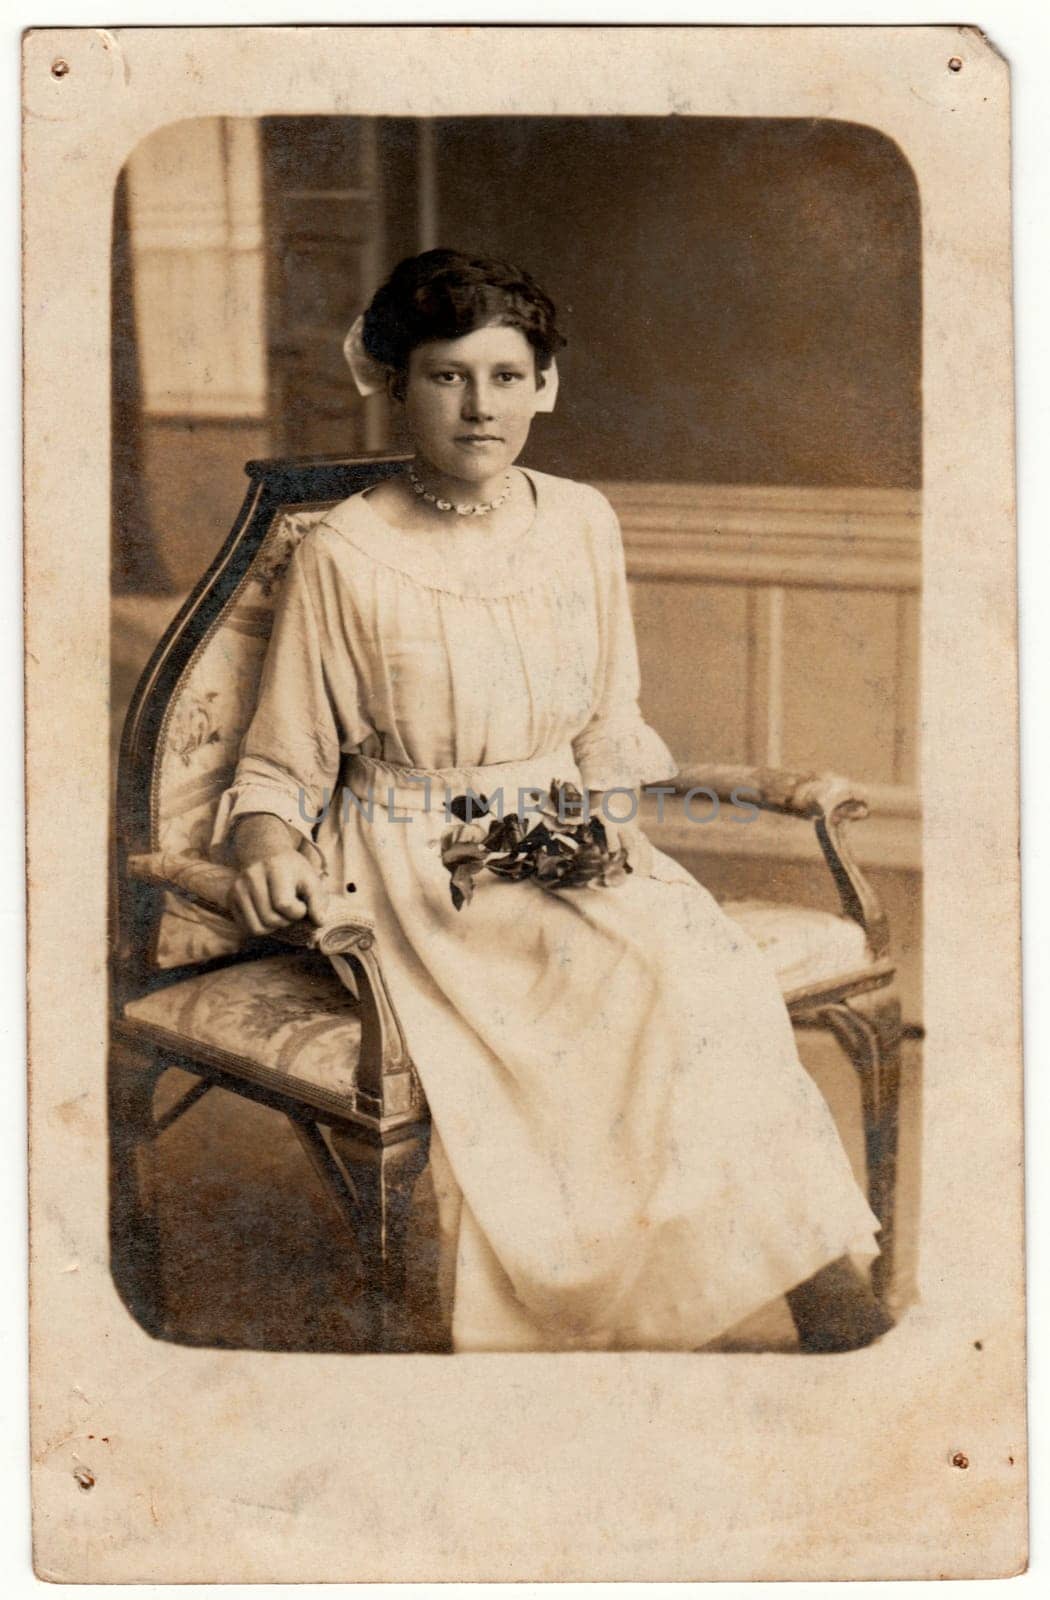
(431, 788)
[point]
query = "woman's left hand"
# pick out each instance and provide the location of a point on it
(626, 835)
(629, 836)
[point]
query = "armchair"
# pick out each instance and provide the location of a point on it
(270, 1020)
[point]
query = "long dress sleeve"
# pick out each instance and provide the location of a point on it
(306, 713)
(618, 748)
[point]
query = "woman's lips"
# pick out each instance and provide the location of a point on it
(476, 440)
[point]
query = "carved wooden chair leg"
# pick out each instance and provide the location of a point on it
(134, 1073)
(884, 1013)
(335, 1183)
(383, 1178)
(869, 1028)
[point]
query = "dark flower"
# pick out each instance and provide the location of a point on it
(468, 806)
(504, 832)
(556, 847)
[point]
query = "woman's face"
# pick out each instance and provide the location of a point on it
(469, 401)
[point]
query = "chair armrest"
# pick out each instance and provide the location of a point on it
(208, 883)
(823, 798)
(793, 794)
(346, 934)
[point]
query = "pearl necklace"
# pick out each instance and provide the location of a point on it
(477, 509)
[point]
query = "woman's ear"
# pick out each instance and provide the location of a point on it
(395, 386)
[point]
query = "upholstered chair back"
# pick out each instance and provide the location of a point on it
(197, 696)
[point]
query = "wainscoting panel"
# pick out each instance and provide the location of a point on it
(840, 699)
(695, 683)
(781, 627)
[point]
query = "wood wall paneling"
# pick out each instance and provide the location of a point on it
(781, 626)
(694, 673)
(906, 747)
(839, 654)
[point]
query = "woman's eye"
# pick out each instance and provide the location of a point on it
(510, 377)
(446, 377)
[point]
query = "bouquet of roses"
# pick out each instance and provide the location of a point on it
(548, 845)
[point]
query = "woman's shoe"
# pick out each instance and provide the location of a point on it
(835, 1311)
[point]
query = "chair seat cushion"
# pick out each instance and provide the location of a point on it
(283, 1021)
(806, 946)
(287, 1022)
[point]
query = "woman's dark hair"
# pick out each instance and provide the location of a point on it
(444, 294)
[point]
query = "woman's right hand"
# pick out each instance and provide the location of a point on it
(277, 890)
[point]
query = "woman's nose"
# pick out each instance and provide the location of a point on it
(477, 402)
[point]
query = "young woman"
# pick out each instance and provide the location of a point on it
(627, 1150)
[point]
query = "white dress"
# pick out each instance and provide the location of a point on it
(630, 1153)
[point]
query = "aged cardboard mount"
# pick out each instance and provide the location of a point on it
(813, 473)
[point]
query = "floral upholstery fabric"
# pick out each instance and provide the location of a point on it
(207, 717)
(805, 946)
(283, 1021)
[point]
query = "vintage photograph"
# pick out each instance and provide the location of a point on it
(525, 1076)
(516, 846)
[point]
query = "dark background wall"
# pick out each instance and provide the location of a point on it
(742, 298)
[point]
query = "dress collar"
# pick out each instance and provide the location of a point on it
(466, 560)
